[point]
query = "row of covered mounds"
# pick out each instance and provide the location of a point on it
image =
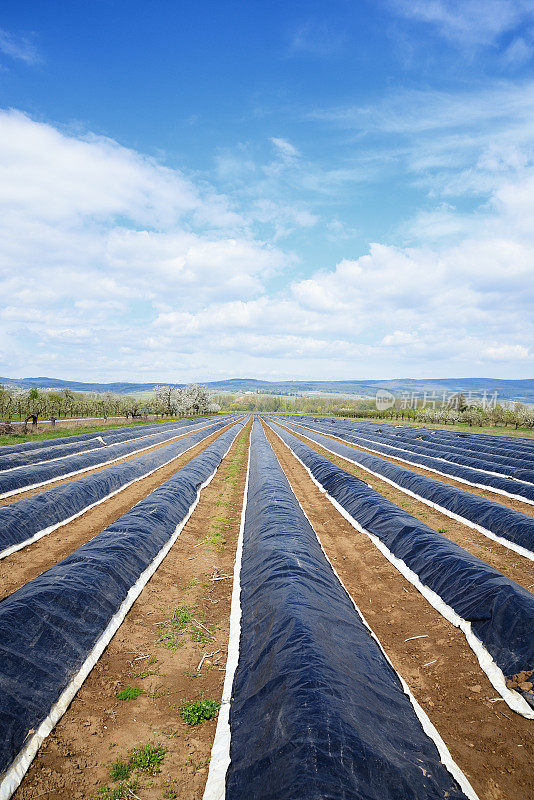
(500, 612)
(317, 710)
(57, 448)
(22, 478)
(518, 463)
(477, 477)
(507, 465)
(50, 627)
(509, 525)
(31, 518)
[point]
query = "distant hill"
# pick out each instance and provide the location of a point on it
(521, 391)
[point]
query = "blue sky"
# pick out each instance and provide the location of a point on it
(192, 191)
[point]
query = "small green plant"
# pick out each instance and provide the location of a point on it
(197, 711)
(147, 758)
(119, 770)
(130, 693)
(169, 793)
(182, 616)
(123, 791)
(442, 530)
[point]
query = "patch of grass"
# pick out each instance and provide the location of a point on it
(119, 770)
(123, 791)
(197, 711)
(130, 693)
(182, 616)
(442, 530)
(147, 674)
(183, 619)
(147, 758)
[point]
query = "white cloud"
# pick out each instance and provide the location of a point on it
(20, 48)
(285, 149)
(468, 22)
(507, 352)
(113, 266)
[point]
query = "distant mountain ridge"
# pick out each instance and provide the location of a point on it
(521, 390)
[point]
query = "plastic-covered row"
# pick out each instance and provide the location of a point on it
(514, 488)
(317, 710)
(519, 469)
(510, 525)
(22, 478)
(502, 450)
(50, 627)
(31, 518)
(500, 611)
(94, 441)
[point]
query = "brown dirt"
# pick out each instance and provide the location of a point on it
(517, 505)
(6, 501)
(98, 728)
(24, 565)
(490, 743)
(514, 566)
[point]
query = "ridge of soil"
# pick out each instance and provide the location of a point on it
(29, 562)
(490, 743)
(509, 563)
(495, 497)
(74, 761)
(5, 501)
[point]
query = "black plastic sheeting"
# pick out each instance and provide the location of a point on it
(481, 443)
(506, 450)
(508, 467)
(469, 474)
(20, 521)
(30, 475)
(317, 712)
(505, 522)
(94, 442)
(50, 625)
(501, 612)
(483, 457)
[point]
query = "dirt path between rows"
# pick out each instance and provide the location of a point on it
(98, 728)
(514, 566)
(5, 501)
(26, 564)
(490, 743)
(516, 505)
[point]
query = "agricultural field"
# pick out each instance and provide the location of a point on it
(267, 607)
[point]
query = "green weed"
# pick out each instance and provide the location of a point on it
(197, 711)
(121, 792)
(130, 693)
(147, 758)
(119, 770)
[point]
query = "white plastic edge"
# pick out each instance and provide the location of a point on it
(447, 461)
(92, 449)
(422, 466)
(426, 724)
(20, 765)
(45, 531)
(215, 788)
(488, 665)
(517, 548)
(94, 466)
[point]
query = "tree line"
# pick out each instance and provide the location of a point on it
(34, 404)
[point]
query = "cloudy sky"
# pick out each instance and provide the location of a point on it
(334, 189)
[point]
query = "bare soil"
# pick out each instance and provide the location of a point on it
(26, 564)
(509, 502)
(516, 567)
(490, 743)
(6, 501)
(98, 728)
